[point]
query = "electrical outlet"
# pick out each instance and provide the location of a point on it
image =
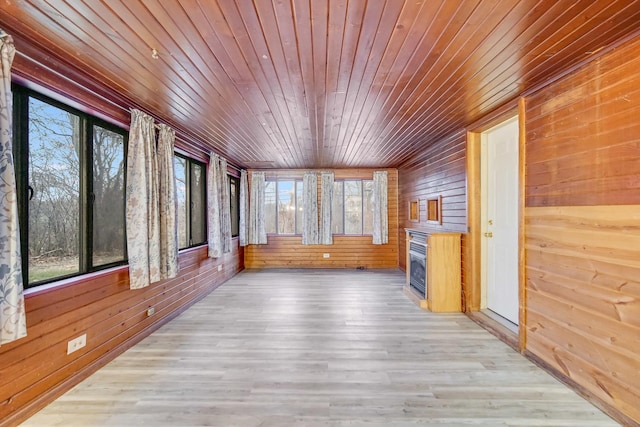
(151, 311)
(76, 343)
(220, 268)
(325, 255)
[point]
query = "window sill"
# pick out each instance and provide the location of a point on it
(71, 281)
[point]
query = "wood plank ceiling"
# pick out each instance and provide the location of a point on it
(318, 83)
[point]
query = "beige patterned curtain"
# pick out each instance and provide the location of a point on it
(146, 205)
(310, 209)
(13, 323)
(257, 228)
(326, 194)
(244, 209)
(380, 215)
(167, 201)
(218, 207)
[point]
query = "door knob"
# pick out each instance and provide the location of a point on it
(489, 234)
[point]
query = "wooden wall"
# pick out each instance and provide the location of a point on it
(439, 171)
(582, 231)
(346, 251)
(36, 369)
(582, 224)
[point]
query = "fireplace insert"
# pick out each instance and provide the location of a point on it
(418, 265)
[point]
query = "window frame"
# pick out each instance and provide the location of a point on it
(86, 197)
(362, 208)
(189, 197)
(297, 227)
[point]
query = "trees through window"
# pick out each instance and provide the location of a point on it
(70, 170)
(352, 207)
(191, 200)
(283, 206)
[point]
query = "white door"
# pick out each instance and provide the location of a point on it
(500, 218)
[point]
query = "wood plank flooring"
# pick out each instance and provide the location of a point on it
(319, 348)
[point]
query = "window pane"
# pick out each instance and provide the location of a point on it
(198, 218)
(234, 198)
(367, 211)
(352, 207)
(180, 165)
(108, 189)
(299, 204)
(337, 208)
(270, 206)
(54, 175)
(286, 208)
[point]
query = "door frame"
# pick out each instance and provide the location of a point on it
(472, 267)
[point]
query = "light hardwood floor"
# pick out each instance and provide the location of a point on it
(319, 348)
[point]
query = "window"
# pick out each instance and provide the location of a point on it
(283, 206)
(70, 170)
(352, 207)
(234, 200)
(191, 200)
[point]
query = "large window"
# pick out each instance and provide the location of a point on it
(70, 170)
(192, 201)
(283, 206)
(352, 207)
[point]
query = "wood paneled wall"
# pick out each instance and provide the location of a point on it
(439, 171)
(36, 369)
(346, 251)
(582, 235)
(582, 224)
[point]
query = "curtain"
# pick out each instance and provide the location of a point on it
(244, 205)
(326, 189)
(13, 323)
(214, 232)
(150, 192)
(218, 207)
(309, 209)
(257, 229)
(380, 215)
(167, 203)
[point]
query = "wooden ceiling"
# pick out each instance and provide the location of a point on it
(318, 83)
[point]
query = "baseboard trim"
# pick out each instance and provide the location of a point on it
(510, 338)
(614, 413)
(496, 328)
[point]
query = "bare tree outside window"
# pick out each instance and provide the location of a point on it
(108, 202)
(198, 220)
(54, 177)
(283, 206)
(286, 207)
(180, 167)
(352, 207)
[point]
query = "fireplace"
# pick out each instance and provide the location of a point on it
(433, 270)
(418, 264)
